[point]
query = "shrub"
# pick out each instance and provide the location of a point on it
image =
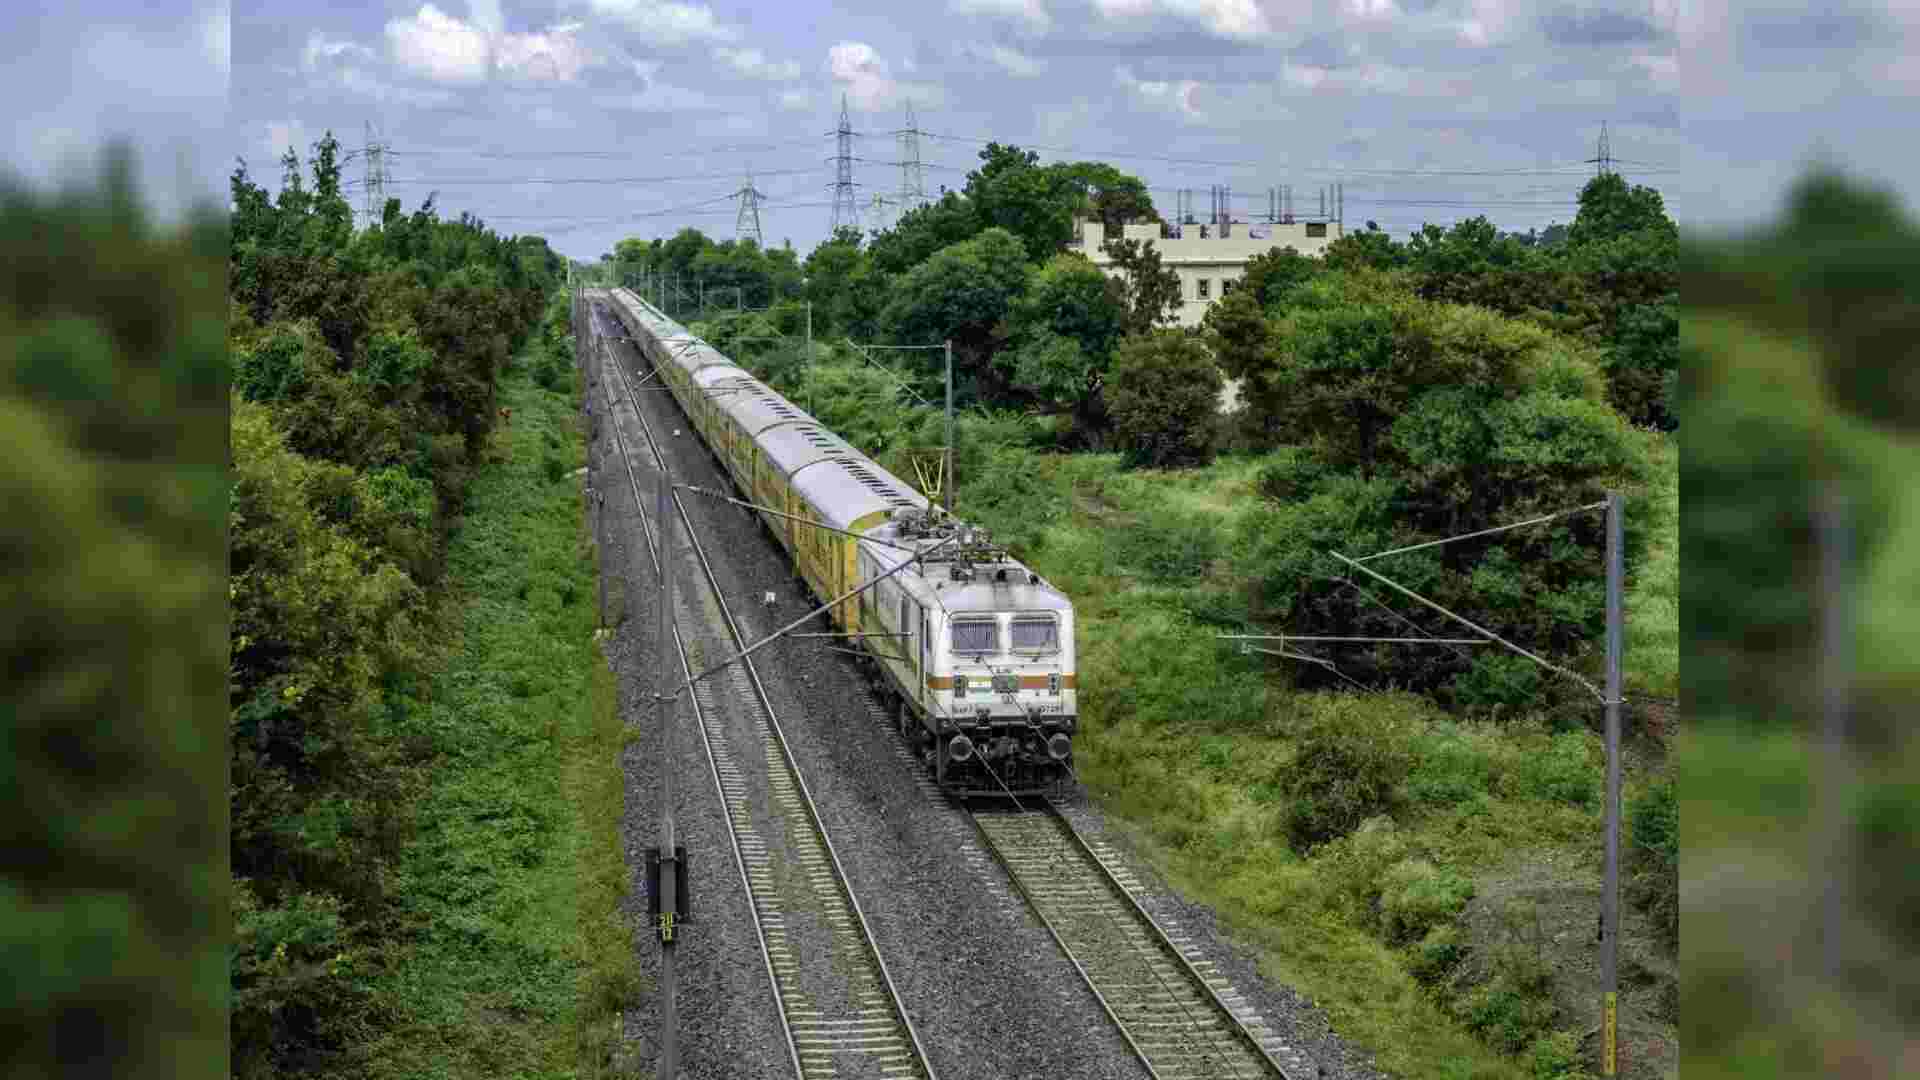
(1163, 394)
(1355, 866)
(1653, 860)
(1349, 765)
(1556, 1056)
(1437, 954)
(1565, 771)
(1498, 684)
(1174, 552)
(1515, 1007)
(1452, 768)
(1416, 897)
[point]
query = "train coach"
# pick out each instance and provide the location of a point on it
(974, 649)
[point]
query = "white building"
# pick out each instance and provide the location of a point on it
(1209, 258)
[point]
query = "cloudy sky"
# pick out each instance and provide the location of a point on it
(592, 120)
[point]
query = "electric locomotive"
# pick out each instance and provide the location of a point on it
(974, 649)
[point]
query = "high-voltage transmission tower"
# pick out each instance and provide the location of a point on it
(845, 213)
(1603, 159)
(746, 224)
(913, 184)
(877, 213)
(376, 158)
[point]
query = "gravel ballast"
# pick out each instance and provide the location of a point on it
(986, 986)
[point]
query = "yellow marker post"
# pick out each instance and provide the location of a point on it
(1610, 1036)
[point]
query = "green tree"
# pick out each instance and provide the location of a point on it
(924, 230)
(1012, 191)
(1271, 276)
(1108, 195)
(1064, 329)
(1150, 292)
(1164, 395)
(965, 293)
(1610, 209)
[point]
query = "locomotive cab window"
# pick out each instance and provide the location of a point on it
(1035, 633)
(972, 636)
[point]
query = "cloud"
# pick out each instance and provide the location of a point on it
(1569, 27)
(865, 80)
(1227, 18)
(555, 55)
(486, 15)
(1012, 61)
(754, 64)
(321, 53)
(665, 23)
(439, 47)
(280, 137)
(796, 100)
(1176, 96)
(216, 39)
(1032, 12)
(1487, 22)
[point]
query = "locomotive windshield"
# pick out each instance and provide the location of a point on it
(1031, 634)
(976, 636)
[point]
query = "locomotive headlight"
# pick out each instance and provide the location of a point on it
(959, 748)
(1053, 683)
(959, 686)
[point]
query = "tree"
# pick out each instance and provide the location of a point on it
(964, 292)
(1164, 395)
(1150, 293)
(1035, 204)
(1272, 275)
(1110, 196)
(1245, 344)
(1609, 209)
(1371, 249)
(1064, 330)
(924, 230)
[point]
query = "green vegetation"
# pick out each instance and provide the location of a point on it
(112, 401)
(1797, 387)
(425, 791)
(515, 955)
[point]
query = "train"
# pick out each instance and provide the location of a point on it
(971, 648)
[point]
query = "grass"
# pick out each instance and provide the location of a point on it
(1652, 662)
(1195, 750)
(516, 956)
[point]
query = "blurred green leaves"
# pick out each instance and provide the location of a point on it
(113, 409)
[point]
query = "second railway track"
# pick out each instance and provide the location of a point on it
(839, 1008)
(1176, 1021)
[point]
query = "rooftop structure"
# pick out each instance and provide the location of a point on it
(1210, 259)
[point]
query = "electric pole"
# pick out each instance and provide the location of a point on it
(946, 489)
(1610, 892)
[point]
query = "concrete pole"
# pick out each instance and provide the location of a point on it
(946, 488)
(663, 705)
(806, 358)
(1610, 891)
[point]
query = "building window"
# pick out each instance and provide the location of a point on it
(1226, 286)
(1202, 287)
(1316, 228)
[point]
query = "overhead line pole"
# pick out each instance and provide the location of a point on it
(1610, 897)
(946, 487)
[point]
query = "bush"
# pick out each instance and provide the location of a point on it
(1452, 768)
(1556, 1056)
(1565, 772)
(1498, 684)
(1437, 955)
(1417, 897)
(1515, 1007)
(1349, 765)
(1179, 551)
(1163, 394)
(1653, 859)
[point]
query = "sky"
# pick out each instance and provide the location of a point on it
(588, 121)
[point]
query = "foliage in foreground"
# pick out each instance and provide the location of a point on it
(112, 401)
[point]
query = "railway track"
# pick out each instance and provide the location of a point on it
(839, 1010)
(1179, 1023)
